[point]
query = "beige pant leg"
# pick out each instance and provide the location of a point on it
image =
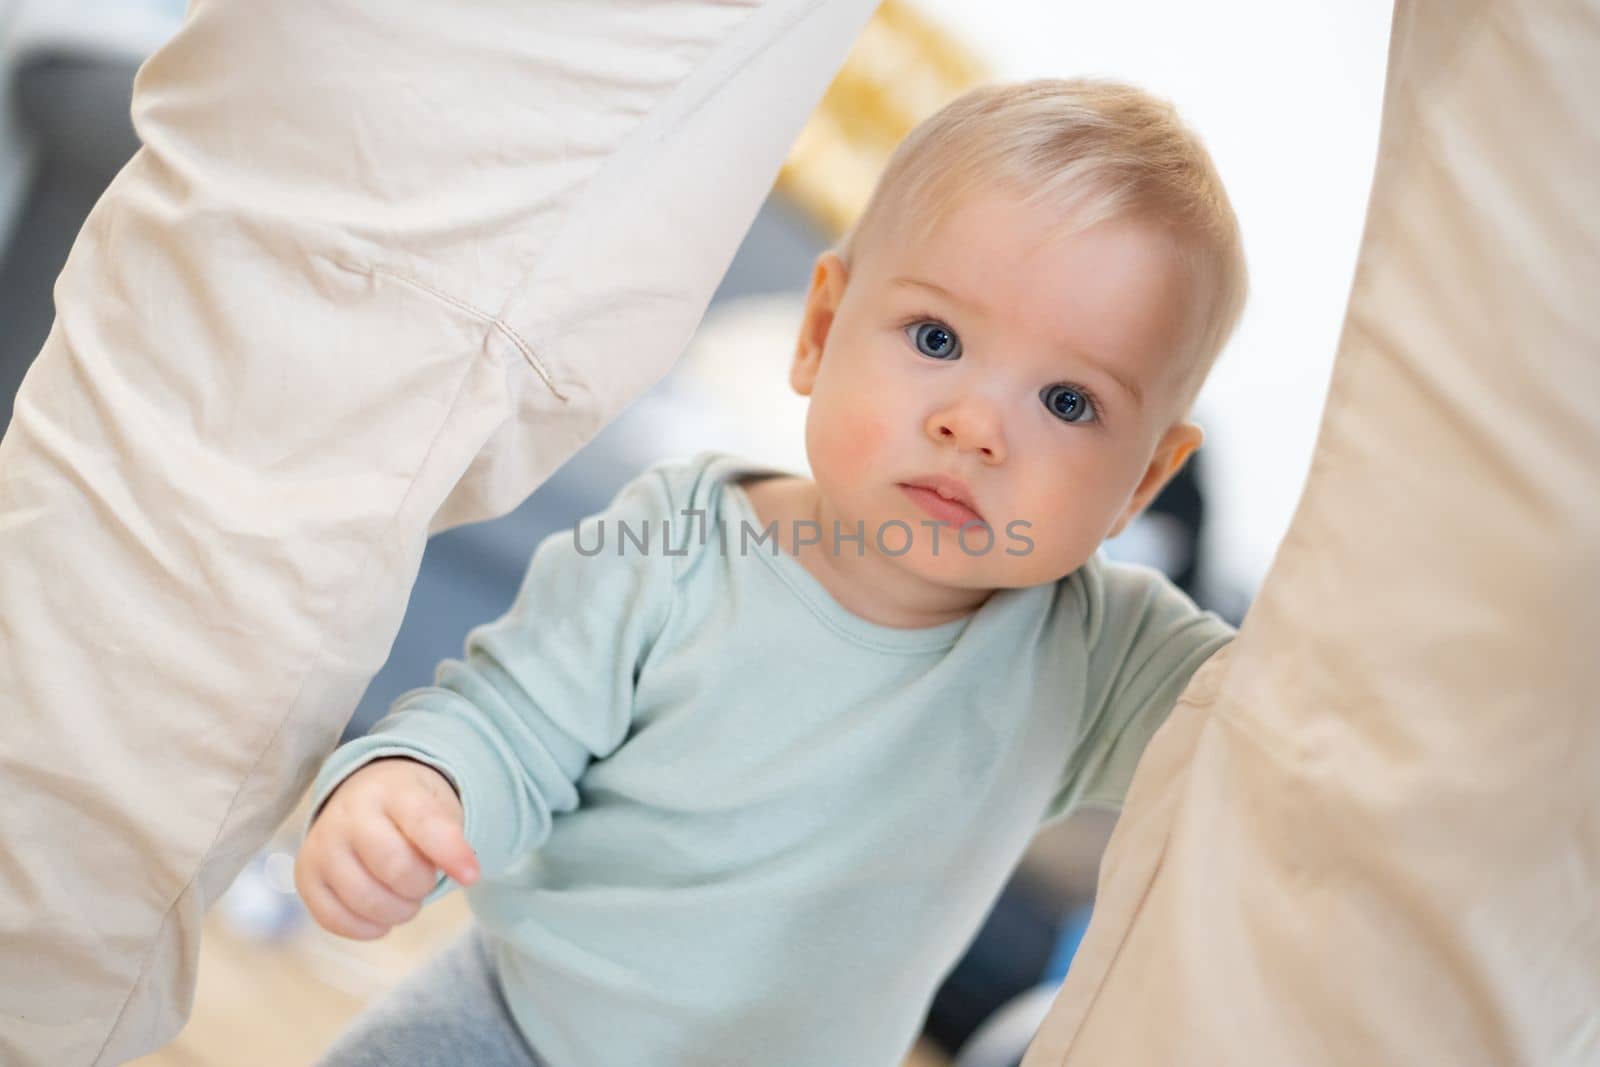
(1370, 835)
(379, 269)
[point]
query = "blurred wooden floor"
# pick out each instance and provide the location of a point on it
(280, 1004)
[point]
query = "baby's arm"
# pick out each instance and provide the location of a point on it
(468, 774)
(375, 849)
(1146, 639)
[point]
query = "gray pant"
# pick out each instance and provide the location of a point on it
(450, 1011)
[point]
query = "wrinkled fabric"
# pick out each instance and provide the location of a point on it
(377, 271)
(1370, 832)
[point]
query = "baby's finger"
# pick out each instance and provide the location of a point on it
(437, 836)
(333, 916)
(362, 894)
(393, 860)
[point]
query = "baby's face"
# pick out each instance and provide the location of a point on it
(1038, 377)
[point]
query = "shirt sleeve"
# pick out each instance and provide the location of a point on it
(543, 690)
(1146, 638)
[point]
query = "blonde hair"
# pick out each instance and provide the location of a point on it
(1092, 150)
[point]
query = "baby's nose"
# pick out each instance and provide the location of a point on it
(970, 427)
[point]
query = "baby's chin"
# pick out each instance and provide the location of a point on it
(1005, 565)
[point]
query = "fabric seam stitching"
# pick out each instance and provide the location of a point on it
(499, 324)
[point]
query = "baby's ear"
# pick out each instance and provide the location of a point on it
(1172, 451)
(822, 302)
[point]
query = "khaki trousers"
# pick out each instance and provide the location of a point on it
(1369, 836)
(378, 270)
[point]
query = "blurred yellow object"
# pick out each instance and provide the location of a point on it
(904, 67)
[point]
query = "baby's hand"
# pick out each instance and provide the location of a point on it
(376, 848)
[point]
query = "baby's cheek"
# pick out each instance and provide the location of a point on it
(850, 441)
(864, 435)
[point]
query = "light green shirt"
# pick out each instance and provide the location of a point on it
(722, 820)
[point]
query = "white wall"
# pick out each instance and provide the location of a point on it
(1287, 97)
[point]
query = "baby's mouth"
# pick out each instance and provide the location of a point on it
(942, 502)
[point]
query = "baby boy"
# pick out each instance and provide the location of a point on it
(738, 776)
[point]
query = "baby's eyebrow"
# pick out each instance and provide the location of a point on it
(918, 283)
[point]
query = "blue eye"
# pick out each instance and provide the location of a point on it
(935, 340)
(1068, 404)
